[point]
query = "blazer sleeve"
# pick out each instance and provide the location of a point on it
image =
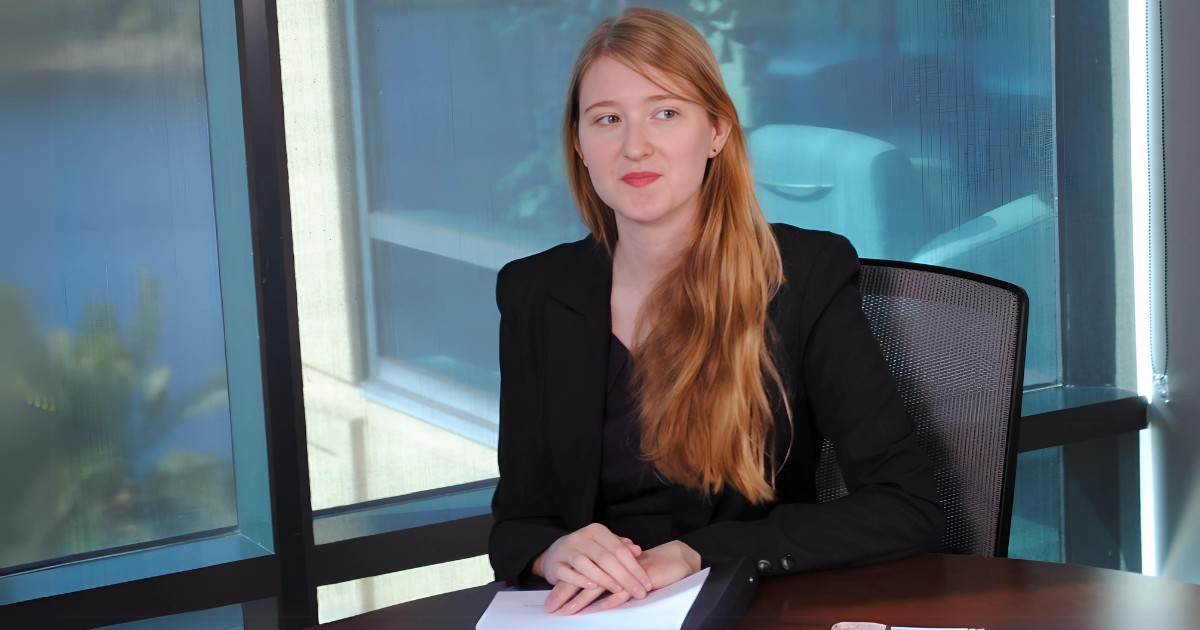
(526, 520)
(892, 509)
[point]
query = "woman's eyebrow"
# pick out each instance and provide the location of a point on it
(649, 99)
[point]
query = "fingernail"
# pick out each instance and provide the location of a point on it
(648, 585)
(591, 584)
(616, 588)
(640, 594)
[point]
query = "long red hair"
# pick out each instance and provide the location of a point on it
(704, 374)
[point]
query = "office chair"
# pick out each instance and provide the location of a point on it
(955, 342)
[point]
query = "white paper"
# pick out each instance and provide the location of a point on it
(666, 607)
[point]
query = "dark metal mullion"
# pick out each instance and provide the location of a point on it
(1063, 427)
(170, 594)
(389, 552)
(287, 450)
(433, 493)
(1088, 203)
(1086, 193)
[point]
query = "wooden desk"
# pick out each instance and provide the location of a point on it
(931, 590)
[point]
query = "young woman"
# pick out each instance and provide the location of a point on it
(667, 381)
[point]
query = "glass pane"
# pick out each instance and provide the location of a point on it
(369, 439)
(424, 154)
(921, 131)
(114, 414)
(346, 599)
(470, 353)
(1037, 516)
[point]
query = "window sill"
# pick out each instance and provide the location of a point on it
(1056, 416)
(127, 567)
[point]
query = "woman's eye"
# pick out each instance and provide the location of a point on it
(610, 119)
(667, 114)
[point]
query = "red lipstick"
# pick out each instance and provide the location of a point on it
(640, 178)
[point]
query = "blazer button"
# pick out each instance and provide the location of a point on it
(764, 566)
(786, 563)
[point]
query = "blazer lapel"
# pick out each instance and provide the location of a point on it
(578, 329)
(578, 325)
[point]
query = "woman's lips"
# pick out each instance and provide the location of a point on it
(640, 178)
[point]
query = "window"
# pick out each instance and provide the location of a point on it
(129, 350)
(922, 131)
(422, 150)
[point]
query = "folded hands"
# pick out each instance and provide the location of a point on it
(585, 564)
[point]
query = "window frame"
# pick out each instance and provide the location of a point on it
(286, 579)
(270, 457)
(252, 536)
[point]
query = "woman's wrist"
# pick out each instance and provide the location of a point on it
(538, 568)
(691, 556)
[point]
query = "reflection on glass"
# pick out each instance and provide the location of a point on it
(114, 418)
(424, 153)
(922, 131)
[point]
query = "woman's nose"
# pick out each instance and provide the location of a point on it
(637, 145)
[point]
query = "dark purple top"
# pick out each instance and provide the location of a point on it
(633, 501)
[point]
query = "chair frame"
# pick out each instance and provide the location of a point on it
(1008, 483)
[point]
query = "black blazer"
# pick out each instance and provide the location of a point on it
(554, 338)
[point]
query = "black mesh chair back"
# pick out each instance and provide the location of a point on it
(955, 342)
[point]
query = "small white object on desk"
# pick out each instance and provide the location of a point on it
(666, 607)
(868, 625)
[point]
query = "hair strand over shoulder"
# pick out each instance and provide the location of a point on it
(704, 374)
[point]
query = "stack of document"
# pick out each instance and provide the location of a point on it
(666, 607)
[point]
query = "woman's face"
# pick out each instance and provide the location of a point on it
(645, 148)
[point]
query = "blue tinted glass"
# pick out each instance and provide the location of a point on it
(475, 91)
(471, 353)
(1038, 525)
(923, 131)
(114, 418)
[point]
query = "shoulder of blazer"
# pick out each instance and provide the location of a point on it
(813, 256)
(563, 270)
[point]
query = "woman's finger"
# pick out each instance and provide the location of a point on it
(564, 573)
(620, 578)
(613, 600)
(581, 600)
(620, 547)
(559, 595)
(584, 565)
(628, 582)
(622, 565)
(595, 557)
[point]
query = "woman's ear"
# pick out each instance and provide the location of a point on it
(578, 151)
(721, 129)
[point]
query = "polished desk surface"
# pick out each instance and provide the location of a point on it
(930, 590)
